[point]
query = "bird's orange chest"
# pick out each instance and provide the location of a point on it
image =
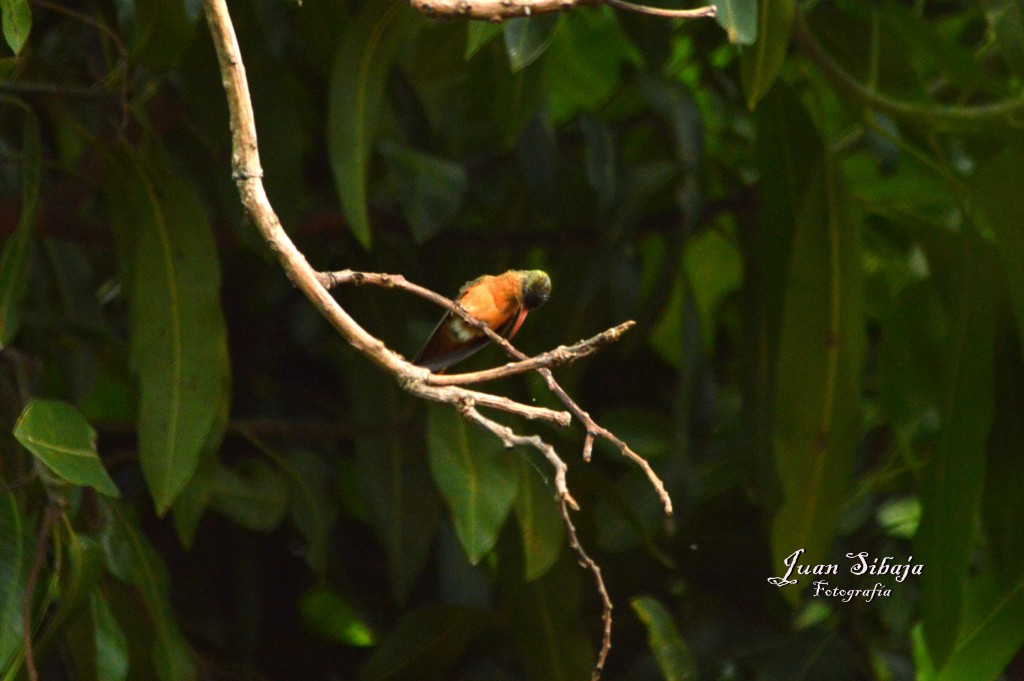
(493, 300)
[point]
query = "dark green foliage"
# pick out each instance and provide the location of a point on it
(818, 227)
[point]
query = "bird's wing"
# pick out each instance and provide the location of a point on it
(442, 350)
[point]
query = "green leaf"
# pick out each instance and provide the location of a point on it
(545, 620)
(132, 559)
(79, 576)
(478, 34)
(476, 476)
(327, 614)
(357, 81)
(252, 494)
(992, 634)
(910, 355)
(1003, 502)
(430, 189)
(539, 521)
(817, 392)
(788, 150)
(739, 19)
(190, 505)
(162, 31)
(995, 190)
(674, 658)
(952, 484)
(600, 161)
(584, 63)
(313, 508)
(394, 477)
(714, 269)
(14, 262)
(111, 646)
(426, 644)
(179, 339)
(14, 567)
(1006, 21)
(760, 64)
(59, 436)
(526, 38)
(17, 23)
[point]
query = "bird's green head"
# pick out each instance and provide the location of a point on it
(536, 288)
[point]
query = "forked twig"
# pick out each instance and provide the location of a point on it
(248, 173)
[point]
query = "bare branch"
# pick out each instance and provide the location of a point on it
(330, 279)
(563, 354)
(511, 439)
(248, 173)
(501, 10)
(50, 517)
(588, 563)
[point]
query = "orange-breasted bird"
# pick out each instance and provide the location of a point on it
(501, 301)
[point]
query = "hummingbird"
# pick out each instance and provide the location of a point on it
(501, 301)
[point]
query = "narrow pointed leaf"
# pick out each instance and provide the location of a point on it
(252, 494)
(545, 621)
(357, 83)
(79, 576)
(995, 187)
(313, 508)
(539, 521)
(132, 559)
(478, 34)
(476, 476)
(111, 646)
(992, 634)
(739, 19)
(952, 486)
(179, 339)
(394, 479)
(14, 568)
(59, 436)
(425, 644)
(430, 189)
(673, 655)
(760, 63)
(17, 23)
(163, 31)
(1003, 501)
(14, 261)
(817, 395)
(526, 39)
(787, 153)
(327, 614)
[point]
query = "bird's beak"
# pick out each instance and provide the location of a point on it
(519, 321)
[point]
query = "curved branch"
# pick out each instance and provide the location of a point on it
(560, 355)
(330, 279)
(942, 114)
(698, 13)
(248, 173)
(502, 10)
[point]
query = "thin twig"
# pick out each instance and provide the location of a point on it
(248, 173)
(593, 429)
(565, 502)
(501, 10)
(588, 563)
(49, 518)
(698, 13)
(941, 115)
(511, 439)
(560, 355)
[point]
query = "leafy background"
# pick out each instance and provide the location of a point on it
(813, 213)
